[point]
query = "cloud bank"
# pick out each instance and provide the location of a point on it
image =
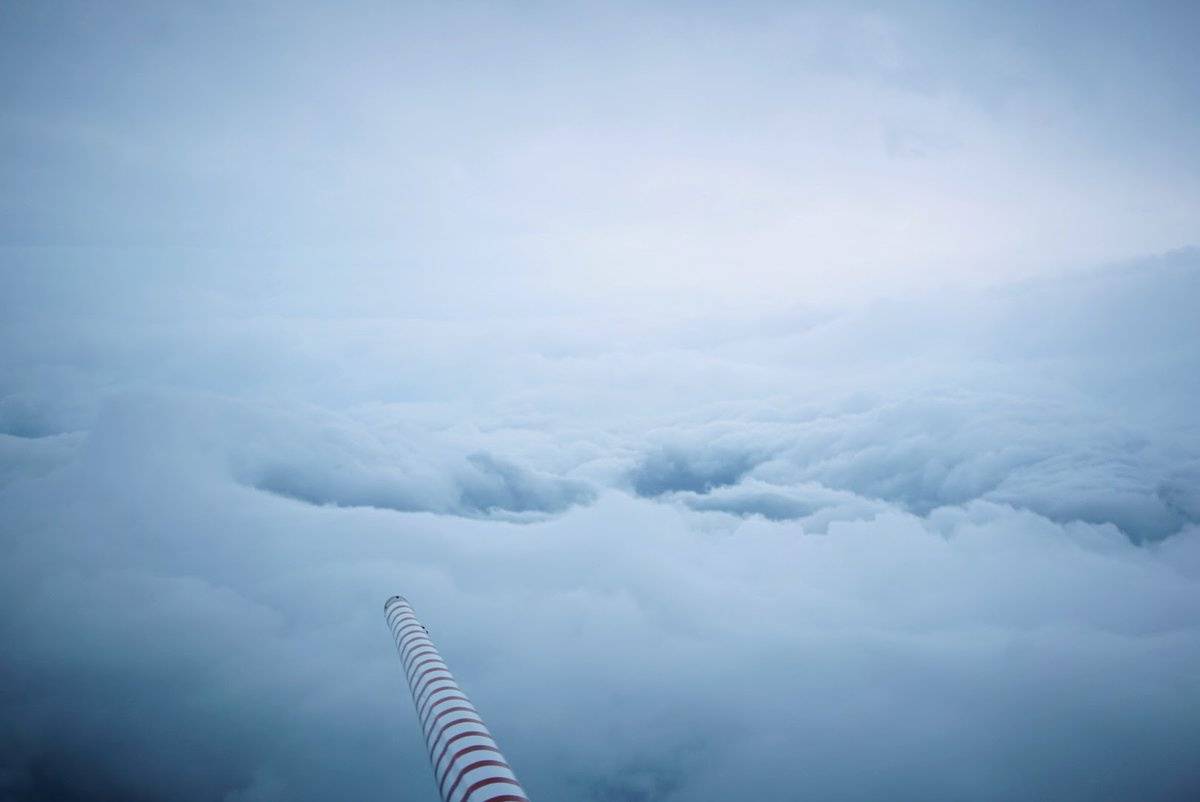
(943, 549)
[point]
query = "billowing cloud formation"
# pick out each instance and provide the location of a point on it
(942, 548)
(345, 464)
(923, 453)
(733, 388)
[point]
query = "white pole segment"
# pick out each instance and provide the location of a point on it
(467, 765)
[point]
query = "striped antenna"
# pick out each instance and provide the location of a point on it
(467, 765)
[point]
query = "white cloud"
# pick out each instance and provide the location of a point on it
(891, 548)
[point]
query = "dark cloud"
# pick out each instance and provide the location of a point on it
(925, 452)
(813, 505)
(672, 469)
(59, 778)
(480, 485)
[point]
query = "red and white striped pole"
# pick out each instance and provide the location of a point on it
(467, 765)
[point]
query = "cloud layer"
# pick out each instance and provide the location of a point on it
(943, 549)
(752, 399)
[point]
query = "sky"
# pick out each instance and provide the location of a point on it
(773, 400)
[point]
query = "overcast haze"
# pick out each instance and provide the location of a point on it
(773, 401)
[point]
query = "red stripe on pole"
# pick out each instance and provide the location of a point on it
(411, 625)
(479, 764)
(424, 708)
(434, 658)
(393, 617)
(413, 640)
(484, 784)
(410, 650)
(421, 676)
(464, 720)
(427, 697)
(452, 739)
(444, 713)
(420, 690)
(394, 621)
(424, 650)
(418, 686)
(466, 750)
(408, 644)
(455, 698)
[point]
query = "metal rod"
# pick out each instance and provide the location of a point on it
(467, 764)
